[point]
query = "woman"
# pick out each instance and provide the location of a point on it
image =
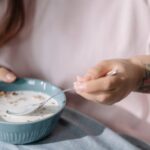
(58, 40)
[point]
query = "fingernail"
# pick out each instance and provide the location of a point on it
(79, 86)
(75, 84)
(10, 77)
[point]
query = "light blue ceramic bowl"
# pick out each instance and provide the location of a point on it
(22, 133)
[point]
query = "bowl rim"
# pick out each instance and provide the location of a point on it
(40, 120)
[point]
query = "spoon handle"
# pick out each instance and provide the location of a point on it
(56, 94)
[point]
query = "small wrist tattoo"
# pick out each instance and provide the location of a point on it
(145, 84)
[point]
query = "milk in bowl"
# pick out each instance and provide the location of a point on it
(18, 100)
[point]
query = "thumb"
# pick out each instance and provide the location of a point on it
(6, 75)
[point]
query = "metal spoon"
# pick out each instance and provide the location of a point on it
(31, 108)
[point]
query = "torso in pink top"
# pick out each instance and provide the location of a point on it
(62, 39)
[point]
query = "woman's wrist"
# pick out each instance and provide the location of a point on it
(145, 84)
(139, 72)
(143, 74)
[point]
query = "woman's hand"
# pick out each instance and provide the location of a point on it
(6, 75)
(97, 86)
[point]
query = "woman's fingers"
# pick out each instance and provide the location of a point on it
(108, 97)
(103, 90)
(6, 75)
(101, 84)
